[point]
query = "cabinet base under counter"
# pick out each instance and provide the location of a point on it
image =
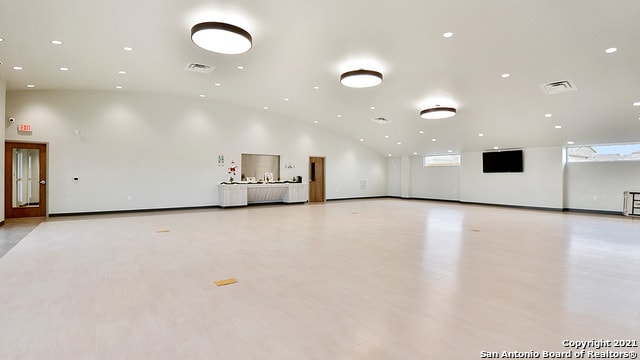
(242, 194)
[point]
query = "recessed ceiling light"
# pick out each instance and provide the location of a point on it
(122, 72)
(637, 103)
(339, 115)
(286, 99)
(361, 139)
(240, 67)
(438, 112)
(548, 115)
(315, 121)
(56, 42)
(202, 95)
(570, 142)
(558, 126)
(221, 38)
(1, 39)
(127, 48)
(372, 107)
(389, 155)
(496, 147)
(421, 132)
(434, 139)
(611, 50)
(448, 34)
(21, 68)
(31, 86)
(415, 153)
(118, 87)
(481, 134)
(317, 87)
(450, 151)
(64, 69)
(265, 107)
(505, 75)
(217, 84)
(386, 136)
(399, 143)
(361, 78)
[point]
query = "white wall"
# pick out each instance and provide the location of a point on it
(405, 175)
(394, 178)
(400, 170)
(600, 185)
(142, 151)
(435, 182)
(547, 182)
(540, 185)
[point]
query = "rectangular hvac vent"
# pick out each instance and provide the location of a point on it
(364, 185)
(199, 68)
(381, 120)
(558, 87)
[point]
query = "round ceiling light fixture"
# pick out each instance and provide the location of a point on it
(361, 78)
(221, 38)
(438, 112)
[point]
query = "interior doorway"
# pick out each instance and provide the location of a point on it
(25, 179)
(316, 179)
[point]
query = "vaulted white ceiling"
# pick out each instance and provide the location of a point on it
(301, 47)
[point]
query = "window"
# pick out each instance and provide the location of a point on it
(616, 152)
(441, 160)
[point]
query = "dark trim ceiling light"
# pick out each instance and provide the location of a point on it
(361, 78)
(438, 112)
(221, 38)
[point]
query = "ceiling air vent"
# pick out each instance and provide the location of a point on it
(199, 68)
(381, 120)
(558, 87)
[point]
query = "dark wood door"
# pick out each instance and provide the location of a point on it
(316, 179)
(25, 179)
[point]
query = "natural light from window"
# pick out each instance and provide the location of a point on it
(441, 160)
(615, 152)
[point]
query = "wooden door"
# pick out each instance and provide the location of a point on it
(316, 179)
(25, 179)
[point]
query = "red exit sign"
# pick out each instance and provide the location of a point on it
(24, 127)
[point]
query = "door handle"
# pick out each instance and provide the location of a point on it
(43, 182)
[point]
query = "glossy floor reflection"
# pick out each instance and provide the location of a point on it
(371, 279)
(15, 230)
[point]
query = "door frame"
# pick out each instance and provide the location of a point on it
(312, 178)
(43, 209)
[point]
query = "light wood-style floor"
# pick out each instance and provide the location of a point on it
(369, 279)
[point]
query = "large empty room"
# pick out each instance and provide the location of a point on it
(330, 180)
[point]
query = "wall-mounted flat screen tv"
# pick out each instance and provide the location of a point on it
(506, 161)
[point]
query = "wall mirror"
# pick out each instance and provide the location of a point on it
(260, 165)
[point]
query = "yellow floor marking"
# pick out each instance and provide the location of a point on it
(226, 282)
(356, 212)
(163, 230)
(475, 230)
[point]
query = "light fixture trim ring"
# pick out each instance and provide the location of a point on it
(376, 75)
(448, 111)
(220, 26)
